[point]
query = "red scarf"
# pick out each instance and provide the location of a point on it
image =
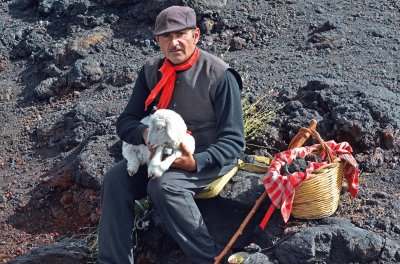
(167, 81)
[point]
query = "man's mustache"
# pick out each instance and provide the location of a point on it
(176, 48)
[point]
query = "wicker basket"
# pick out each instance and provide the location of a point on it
(318, 196)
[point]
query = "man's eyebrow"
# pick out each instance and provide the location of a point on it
(183, 30)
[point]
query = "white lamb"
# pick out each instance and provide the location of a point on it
(167, 130)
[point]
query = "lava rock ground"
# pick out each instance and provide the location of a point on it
(66, 69)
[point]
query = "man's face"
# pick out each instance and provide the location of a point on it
(179, 46)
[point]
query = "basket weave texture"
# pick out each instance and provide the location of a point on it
(318, 196)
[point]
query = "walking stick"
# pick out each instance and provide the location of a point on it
(242, 226)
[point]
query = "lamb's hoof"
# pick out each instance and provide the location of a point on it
(154, 173)
(132, 170)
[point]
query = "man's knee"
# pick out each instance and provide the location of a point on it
(169, 185)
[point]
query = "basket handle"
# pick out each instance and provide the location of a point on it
(304, 133)
(302, 136)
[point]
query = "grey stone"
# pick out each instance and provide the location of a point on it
(45, 89)
(391, 252)
(84, 73)
(94, 160)
(341, 243)
(66, 251)
(258, 258)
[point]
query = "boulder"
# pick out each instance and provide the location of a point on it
(66, 251)
(337, 241)
(94, 160)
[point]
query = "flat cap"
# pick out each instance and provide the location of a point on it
(174, 18)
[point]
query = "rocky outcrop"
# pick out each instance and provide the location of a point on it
(335, 241)
(348, 112)
(66, 251)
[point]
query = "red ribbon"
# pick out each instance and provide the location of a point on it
(167, 82)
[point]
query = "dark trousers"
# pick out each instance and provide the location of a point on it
(172, 195)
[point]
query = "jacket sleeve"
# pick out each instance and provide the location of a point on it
(129, 127)
(230, 131)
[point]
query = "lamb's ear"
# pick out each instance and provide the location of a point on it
(172, 130)
(175, 128)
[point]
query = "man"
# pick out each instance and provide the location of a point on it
(206, 93)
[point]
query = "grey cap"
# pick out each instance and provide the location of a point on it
(174, 18)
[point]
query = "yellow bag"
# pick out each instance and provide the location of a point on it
(259, 164)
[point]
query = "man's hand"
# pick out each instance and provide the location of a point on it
(186, 161)
(145, 135)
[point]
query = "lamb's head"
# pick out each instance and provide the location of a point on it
(166, 127)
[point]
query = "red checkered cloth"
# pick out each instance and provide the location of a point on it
(281, 189)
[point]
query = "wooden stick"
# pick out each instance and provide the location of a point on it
(302, 137)
(241, 228)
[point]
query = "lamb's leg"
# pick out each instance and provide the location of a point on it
(166, 163)
(129, 153)
(154, 169)
(132, 166)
